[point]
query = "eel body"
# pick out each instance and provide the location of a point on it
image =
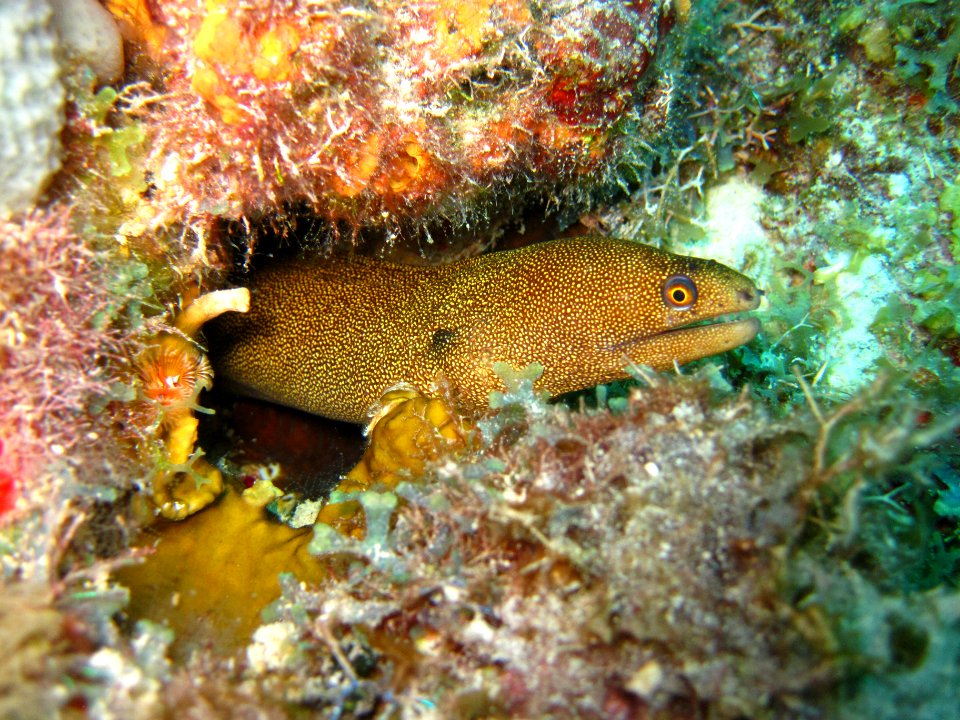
(331, 335)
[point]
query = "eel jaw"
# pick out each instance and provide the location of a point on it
(687, 343)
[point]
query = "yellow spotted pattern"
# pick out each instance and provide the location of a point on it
(331, 335)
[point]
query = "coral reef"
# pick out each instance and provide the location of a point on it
(775, 534)
(834, 203)
(384, 113)
(643, 556)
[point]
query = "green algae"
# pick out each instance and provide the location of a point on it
(375, 546)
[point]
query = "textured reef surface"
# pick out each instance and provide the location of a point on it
(769, 533)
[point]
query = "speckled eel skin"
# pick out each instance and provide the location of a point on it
(330, 335)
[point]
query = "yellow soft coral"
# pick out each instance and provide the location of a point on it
(209, 579)
(407, 431)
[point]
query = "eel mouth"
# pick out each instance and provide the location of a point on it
(733, 328)
(686, 343)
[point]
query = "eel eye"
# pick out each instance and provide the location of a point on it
(679, 292)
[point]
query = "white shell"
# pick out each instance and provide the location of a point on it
(31, 102)
(88, 38)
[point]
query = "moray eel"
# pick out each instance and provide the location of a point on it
(331, 335)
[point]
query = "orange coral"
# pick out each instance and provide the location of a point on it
(139, 25)
(357, 167)
(273, 61)
(230, 54)
(409, 171)
(375, 116)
